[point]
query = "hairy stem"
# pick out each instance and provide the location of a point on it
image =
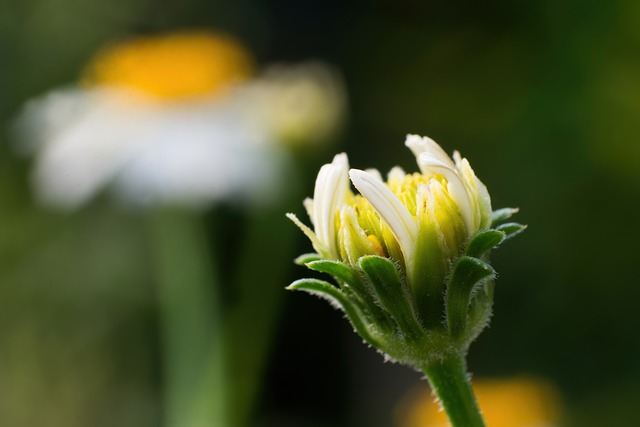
(450, 382)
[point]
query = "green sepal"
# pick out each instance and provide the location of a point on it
(428, 277)
(304, 259)
(500, 215)
(511, 229)
(467, 272)
(391, 291)
(480, 309)
(347, 275)
(484, 241)
(340, 271)
(339, 300)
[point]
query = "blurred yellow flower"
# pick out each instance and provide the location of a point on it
(514, 402)
(178, 65)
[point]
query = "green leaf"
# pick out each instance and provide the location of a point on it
(467, 272)
(511, 229)
(347, 275)
(339, 300)
(484, 241)
(480, 309)
(337, 269)
(392, 292)
(502, 214)
(307, 258)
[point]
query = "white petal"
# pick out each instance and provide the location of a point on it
(332, 185)
(457, 158)
(79, 156)
(396, 174)
(189, 153)
(390, 208)
(375, 172)
(308, 206)
(430, 165)
(479, 192)
(419, 145)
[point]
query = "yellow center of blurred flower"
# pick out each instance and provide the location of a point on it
(175, 66)
(516, 402)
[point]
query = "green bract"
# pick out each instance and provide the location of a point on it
(409, 255)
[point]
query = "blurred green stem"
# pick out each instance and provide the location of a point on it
(191, 321)
(450, 382)
(268, 242)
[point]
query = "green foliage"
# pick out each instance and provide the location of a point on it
(500, 215)
(339, 300)
(306, 258)
(467, 273)
(511, 229)
(484, 241)
(392, 292)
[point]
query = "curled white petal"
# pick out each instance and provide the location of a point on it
(391, 210)
(457, 158)
(375, 172)
(430, 165)
(480, 194)
(332, 186)
(423, 144)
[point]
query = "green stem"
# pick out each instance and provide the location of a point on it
(449, 380)
(190, 323)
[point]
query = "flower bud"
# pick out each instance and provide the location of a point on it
(407, 239)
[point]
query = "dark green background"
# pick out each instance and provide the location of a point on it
(542, 97)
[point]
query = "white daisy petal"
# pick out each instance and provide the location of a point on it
(308, 206)
(390, 208)
(424, 144)
(375, 172)
(332, 185)
(396, 174)
(479, 192)
(430, 165)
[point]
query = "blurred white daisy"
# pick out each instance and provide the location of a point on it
(303, 104)
(176, 119)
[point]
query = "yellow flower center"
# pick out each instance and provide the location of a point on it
(428, 200)
(378, 233)
(377, 246)
(407, 189)
(175, 66)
